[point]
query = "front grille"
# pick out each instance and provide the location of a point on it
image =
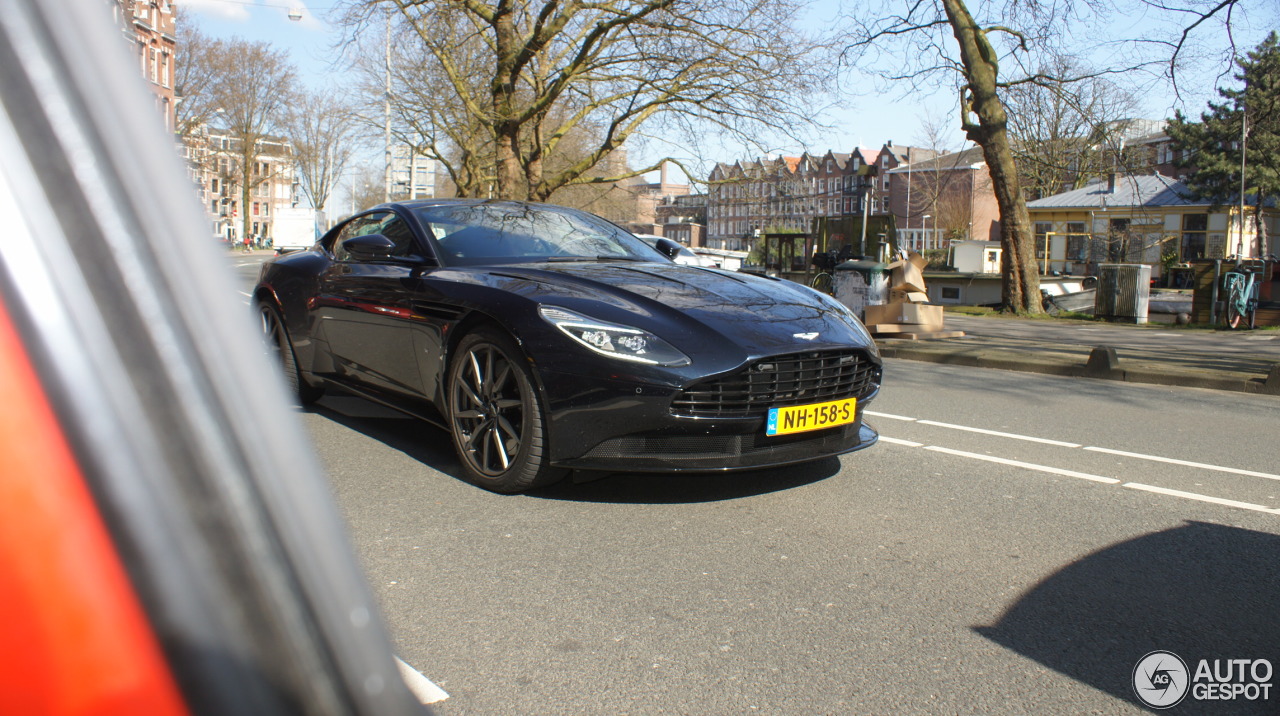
(688, 449)
(795, 379)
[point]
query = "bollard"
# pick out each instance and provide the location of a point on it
(1103, 359)
(1272, 383)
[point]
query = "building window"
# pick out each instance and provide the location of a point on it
(1077, 241)
(1043, 229)
(1194, 227)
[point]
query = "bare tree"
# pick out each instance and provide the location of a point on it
(322, 131)
(246, 88)
(520, 76)
(1205, 32)
(941, 42)
(1065, 135)
(195, 71)
(364, 187)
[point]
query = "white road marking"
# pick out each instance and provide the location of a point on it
(1027, 465)
(419, 685)
(898, 441)
(1200, 498)
(888, 416)
(1062, 443)
(1109, 480)
(997, 433)
(1185, 463)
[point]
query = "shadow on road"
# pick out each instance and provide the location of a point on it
(433, 447)
(418, 439)
(667, 488)
(1201, 591)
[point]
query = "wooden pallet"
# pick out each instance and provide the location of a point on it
(922, 336)
(911, 331)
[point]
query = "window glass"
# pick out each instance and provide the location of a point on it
(470, 234)
(395, 228)
(1193, 235)
(1077, 241)
(359, 226)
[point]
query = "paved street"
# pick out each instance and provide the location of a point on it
(1015, 544)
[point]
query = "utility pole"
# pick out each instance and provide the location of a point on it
(1244, 136)
(386, 106)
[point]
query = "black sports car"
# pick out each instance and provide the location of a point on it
(545, 339)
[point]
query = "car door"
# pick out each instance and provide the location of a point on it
(365, 308)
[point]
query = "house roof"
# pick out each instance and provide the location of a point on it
(967, 159)
(1149, 190)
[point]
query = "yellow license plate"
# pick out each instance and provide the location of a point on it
(802, 418)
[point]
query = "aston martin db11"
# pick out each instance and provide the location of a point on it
(545, 339)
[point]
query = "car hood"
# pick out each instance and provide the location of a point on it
(695, 305)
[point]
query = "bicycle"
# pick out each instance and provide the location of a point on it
(1240, 286)
(825, 262)
(824, 283)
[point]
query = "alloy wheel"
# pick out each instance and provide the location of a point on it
(489, 410)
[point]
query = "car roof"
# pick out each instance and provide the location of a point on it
(427, 203)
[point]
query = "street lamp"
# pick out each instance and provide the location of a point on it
(924, 244)
(295, 14)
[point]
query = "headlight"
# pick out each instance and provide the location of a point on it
(613, 340)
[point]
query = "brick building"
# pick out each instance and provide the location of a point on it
(943, 199)
(214, 164)
(788, 193)
(149, 28)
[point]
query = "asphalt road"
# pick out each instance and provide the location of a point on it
(1022, 569)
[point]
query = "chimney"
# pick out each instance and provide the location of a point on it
(662, 174)
(1111, 182)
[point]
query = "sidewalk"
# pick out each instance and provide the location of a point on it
(1239, 361)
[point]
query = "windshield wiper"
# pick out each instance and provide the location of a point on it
(559, 259)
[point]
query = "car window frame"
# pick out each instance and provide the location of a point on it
(416, 252)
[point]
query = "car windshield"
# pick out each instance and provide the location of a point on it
(500, 232)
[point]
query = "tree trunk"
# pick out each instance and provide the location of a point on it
(506, 126)
(1021, 281)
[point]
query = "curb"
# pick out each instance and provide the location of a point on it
(1103, 367)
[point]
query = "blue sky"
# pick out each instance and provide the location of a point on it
(868, 121)
(310, 43)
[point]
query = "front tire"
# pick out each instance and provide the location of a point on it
(1233, 312)
(277, 337)
(495, 415)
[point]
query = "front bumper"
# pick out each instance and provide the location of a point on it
(621, 425)
(707, 453)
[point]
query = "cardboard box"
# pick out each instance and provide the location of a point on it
(908, 275)
(912, 313)
(899, 295)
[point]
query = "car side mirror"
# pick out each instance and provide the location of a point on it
(369, 247)
(669, 248)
